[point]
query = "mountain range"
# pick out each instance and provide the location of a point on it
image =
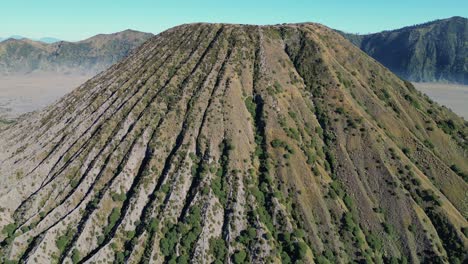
(48, 40)
(431, 52)
(222, 143)
(90, 56)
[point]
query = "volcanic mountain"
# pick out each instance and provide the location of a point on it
(217, 143)
(433, 51)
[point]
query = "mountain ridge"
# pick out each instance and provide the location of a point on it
(48, 40)
(87, 56)
(427, 52)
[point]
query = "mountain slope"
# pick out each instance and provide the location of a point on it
(88, 56)
(434, 51)
(241, 144)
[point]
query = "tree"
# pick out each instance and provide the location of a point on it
(301, 250)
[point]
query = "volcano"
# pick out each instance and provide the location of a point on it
(220, 143)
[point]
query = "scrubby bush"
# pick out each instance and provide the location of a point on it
(240, 257)
(218, 249)
(75, 255)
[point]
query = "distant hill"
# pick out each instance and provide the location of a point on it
(22, 55)
(44, 39)
(431, 52)
(49, 40)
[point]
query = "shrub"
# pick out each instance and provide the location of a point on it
(348, 202)
(448, 126)
(153, 225)
(183, 259)
(301, 250)
(322, 260)
(251, 106)
(118, 197)
(458, 171)
(62, 241)
(374, 242)
(218, 249)
(428, 144)
(120, 257)
(310, 157)
(293, 133)
(465, 231)
(406, 151)
(415, 103)
(168, 242)
(293, 115)
(340, 110)
(349, 222)
(278, 87)
(113, 217)
(75, 255)
(276, 143)
(450, 240)
(298, 233)
(388, 228)
(9, 229)
(240, 257)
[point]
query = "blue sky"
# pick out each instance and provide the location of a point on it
(75, 20)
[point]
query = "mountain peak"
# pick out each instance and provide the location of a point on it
(237, 143)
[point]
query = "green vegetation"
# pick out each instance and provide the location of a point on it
(62, 241)
(240, 257)
(428, 144)
(9, 229)
(118, 197)
(276, 143)
(218, 249)
(251, 107)
(458, 171)
(450, 240)
(6, 122)
(219, 184)
(186, 232)
(75, 256)
(293, 133)
(112, 220)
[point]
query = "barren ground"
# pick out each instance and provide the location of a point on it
(454, 96)
(20, 94)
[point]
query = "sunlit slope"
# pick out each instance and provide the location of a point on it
(229, 143)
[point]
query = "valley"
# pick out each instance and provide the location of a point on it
(20, 94)
(453, 96)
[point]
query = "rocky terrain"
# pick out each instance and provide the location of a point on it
(431, 52)
(217, 143)
(86, 57)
